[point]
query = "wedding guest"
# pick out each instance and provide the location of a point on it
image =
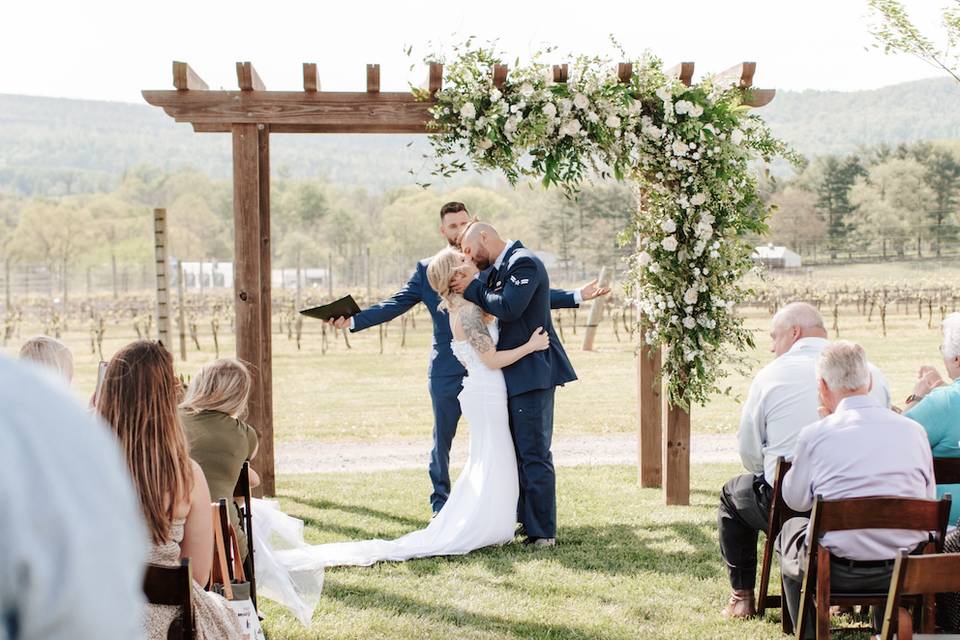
(72, 540)
(936, 405)
(138, 399)
(781, 401)
(859, 449)
(219, 440)
(50, 353)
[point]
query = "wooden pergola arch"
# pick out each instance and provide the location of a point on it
(252, 113)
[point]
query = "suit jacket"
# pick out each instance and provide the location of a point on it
(417, 289)
(520, 298)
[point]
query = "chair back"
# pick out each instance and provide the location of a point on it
(914, 514)
(242, 490)
(917, 576)
(221, 571)
(946, 470)
(165, 585)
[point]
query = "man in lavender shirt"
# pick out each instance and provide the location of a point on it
(859, 449)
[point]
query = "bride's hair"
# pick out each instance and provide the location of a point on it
(439, 273)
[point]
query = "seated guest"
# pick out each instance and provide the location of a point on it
(138, 399)
(220, 442)
(50, 353)
(936, 406)
(782, 400)
(72, 540)
(859, 449)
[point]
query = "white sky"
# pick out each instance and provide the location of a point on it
(111, 49)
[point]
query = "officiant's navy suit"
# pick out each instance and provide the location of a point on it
(517, 291)
(445, 371)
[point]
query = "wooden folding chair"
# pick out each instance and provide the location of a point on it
(946, 470)
(779, 513)
(172, 586)
(220, 573)
(915, 577)
(912, 514)
(242, 490)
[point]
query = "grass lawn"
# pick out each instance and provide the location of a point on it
(626, 567)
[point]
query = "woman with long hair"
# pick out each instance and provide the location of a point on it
(138, 398)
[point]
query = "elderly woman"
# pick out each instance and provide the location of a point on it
(49, 353)
(935, 404)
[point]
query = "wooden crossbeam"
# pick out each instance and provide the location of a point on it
(311, 79)
(435, 78)
(248, 79)
(682, 72)
(624, 71)
(740, 75)
(499, 75)
(758, 97)
(373, 78)
(560, 73)
(186, 79)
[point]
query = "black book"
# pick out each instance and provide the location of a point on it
(342, 308)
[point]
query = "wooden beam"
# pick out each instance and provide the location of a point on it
(649, 416)
(560, 73)
(373, 78)
(265, 366)
(758, 97)
(682, 72)
(624, 71)
(676, 454)
(311, 80)
(740, 75)
(435, 78)
(248, 79)
(186, 79)
(499, 75)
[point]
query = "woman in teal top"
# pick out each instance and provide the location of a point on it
(935, 404)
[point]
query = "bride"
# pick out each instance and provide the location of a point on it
(482, 508)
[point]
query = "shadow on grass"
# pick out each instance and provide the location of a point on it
(352, 508)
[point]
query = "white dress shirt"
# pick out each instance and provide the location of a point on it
(862, 450)
(783, 399)
(72, 542)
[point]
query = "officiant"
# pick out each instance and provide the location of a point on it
(445, 371)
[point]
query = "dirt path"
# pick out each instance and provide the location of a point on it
(325, 457)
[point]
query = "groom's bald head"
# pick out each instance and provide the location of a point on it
(480, 241)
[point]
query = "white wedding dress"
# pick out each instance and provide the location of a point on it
(482, 508)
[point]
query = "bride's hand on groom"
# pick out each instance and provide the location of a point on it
(539, 341)
(591, 290)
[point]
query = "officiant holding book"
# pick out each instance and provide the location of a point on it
(445, 371)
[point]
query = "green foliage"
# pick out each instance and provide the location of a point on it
(894, 32)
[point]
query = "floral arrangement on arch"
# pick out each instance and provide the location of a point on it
(688, 150)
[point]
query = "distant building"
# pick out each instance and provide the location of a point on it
(776, 257)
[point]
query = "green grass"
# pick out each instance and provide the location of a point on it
(626, 566)
(359, 394)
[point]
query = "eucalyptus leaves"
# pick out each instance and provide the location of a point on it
(687, 149)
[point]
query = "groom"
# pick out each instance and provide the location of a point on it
(445, 371)
(517, 291)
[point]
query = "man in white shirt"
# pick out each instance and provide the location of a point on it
(73, 546)
(860, 449)
(782, 400)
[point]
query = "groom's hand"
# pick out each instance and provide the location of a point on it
(590, 291)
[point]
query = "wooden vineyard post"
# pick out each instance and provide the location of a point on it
(596, 312)
(181, 300)
(161, 270)
(676, 454)
(650, 430)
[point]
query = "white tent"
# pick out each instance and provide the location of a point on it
(777, 257)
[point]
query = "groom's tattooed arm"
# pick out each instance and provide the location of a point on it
(471, 319)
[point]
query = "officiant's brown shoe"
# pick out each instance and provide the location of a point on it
(741, 605)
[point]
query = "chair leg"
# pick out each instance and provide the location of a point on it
(904, 625)
(823, 594)
(764, 577)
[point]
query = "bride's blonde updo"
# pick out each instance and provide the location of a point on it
(439, 273)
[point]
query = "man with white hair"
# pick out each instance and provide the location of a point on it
(782, 400)
(859, 449)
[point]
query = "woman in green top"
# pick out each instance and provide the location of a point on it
(935, 404)
(220, 441)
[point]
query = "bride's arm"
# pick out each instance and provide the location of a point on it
(475, 330)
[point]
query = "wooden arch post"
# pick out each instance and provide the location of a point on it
(251, 114)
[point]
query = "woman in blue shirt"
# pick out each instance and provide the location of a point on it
(935, 404)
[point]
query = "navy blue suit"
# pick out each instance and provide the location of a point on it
(519, 295)
(445, 371)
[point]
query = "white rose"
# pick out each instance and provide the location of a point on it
(695, 111)
(668, 226)
(484, 144)
(669, 243)
(612, 121)
(468, 111)
(690, 296)
(593, 117)
(570, 128)
(526, 89)
(698, 199)
(550, 110)
(683, 106)
(644, 258)
(689, 323)
(680, 147)
(736, 136)
(654, 267)
(664, 94)
(704, 231)
(495, 95)
(580, 101)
